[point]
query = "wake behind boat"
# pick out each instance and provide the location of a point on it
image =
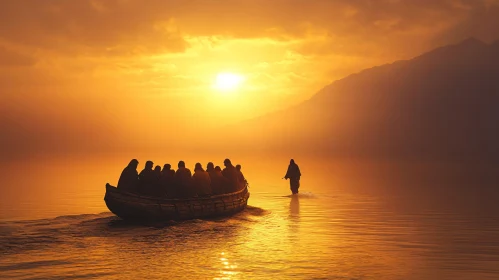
(132, 206)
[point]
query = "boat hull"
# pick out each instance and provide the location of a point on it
(130, 206)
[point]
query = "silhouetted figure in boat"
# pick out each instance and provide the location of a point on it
(156, 186)
(129, 179)
(210, 168)
(216, 178)
(293, 174)
(167, 180)
(223, 185)
(230, 173)
(240, 177)
(202, 181)
(157, 172)
(147, 178)
(183, 182)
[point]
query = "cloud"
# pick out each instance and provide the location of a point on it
(481, 22)
(159, 56)
(135, 41)
(103, 27)
(99, 23)
(133, 27)
(10, 58)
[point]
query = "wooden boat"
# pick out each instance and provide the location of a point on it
(131, 206)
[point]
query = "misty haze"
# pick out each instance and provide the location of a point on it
(390, 110)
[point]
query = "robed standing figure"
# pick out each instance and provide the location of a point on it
(293, 174)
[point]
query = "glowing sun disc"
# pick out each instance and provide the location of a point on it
(228, 81)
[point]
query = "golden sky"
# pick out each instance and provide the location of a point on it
(142, 69)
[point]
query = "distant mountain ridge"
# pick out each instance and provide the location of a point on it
(443, 104)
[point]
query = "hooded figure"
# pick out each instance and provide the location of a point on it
(156, 186)
(240, 177)
(129, 179)
(219, 183)
(230, 173)
(293, 174)
(215, 181)
(167, 179)
(183, 181)
(210, 168)
(147, 178)
(202, 181)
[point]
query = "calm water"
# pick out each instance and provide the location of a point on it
(322, 233)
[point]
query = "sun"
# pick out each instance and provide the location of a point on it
(228, 81)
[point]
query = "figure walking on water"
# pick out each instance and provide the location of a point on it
(293, 174)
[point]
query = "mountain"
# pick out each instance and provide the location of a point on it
(443, 104)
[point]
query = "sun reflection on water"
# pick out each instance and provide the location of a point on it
(228, 270)
(320, 233)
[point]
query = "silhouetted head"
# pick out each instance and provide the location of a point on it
(133, 163)
(167, 166)
(149, 164)
(292, 161)
(218, 169)
(198, 167)
(157, 169)
(238, 167)
(227, 162)
(181, 164)
(210, 166)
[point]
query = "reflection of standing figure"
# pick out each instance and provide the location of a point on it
(293, 174)
(294, 219)
(294, 206)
